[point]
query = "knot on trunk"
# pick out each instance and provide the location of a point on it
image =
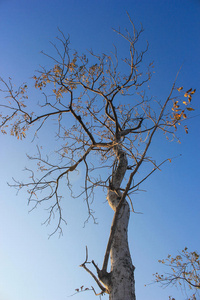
(113, 198)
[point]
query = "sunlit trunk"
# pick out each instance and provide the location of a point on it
(122, 269)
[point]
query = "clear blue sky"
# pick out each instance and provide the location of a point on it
(35, 267)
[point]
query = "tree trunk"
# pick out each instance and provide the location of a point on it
(122, 269)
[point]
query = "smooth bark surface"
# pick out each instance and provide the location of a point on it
(122, 270)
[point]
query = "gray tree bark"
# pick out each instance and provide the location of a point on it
(122, 283)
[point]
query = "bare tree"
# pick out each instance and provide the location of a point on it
(184, 272)
(102, 111)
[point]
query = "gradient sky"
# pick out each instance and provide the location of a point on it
(35, 267)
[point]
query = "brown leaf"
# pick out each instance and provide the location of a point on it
(189, 91)
(179, 89)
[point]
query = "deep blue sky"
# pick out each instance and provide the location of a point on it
(33, 267)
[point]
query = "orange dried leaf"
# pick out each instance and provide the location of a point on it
(193, 92)
(177, 116)
(186, 129)
(179, 89)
